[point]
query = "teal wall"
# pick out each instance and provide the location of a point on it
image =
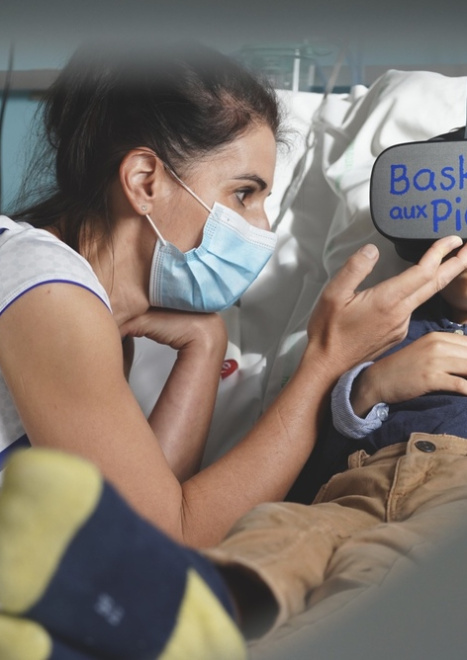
(17, 143)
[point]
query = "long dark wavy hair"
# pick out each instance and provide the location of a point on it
(181, 102)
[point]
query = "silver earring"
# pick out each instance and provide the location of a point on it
(144, 208)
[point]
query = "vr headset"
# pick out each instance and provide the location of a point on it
(418, 192)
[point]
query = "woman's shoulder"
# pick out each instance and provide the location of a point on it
(30, 257)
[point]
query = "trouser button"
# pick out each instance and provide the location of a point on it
(426, 446)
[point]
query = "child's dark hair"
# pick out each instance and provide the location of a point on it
(182, 103)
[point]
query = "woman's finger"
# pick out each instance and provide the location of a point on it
(357, 267)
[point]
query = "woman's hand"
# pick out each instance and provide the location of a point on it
(352, 326)
(179, 330)
(182, 414)
(435, 362)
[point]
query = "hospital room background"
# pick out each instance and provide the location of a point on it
(354, 78)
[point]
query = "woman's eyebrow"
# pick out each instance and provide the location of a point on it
(261, 183)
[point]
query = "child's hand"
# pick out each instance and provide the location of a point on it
(434, 362)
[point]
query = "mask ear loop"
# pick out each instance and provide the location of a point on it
(187, 188)
(158, 234)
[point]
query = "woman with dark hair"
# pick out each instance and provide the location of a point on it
(155, 221)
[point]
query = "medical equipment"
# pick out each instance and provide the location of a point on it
(304, 66)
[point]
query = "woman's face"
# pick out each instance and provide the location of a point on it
(239, 175)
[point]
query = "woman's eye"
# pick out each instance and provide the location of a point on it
(242, 194)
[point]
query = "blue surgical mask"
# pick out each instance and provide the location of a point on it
(214, 275)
